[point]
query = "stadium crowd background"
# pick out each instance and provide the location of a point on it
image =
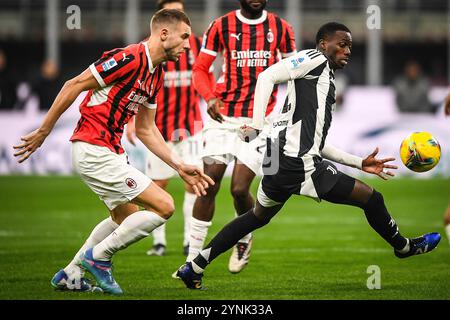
(41, 46)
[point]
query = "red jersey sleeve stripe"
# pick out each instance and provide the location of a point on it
(289, 39)
(279, 28)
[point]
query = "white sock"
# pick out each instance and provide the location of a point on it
(188, 206)
(199, 231)
(135, 227)
(246, 238)
(100, 232)
(406, 247)
(447, 231)
(159, 235)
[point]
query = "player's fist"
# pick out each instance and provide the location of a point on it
(247, 133)
(214, 107)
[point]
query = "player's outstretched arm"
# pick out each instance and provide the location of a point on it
(201, 77)
(378, 166)
(332, 153)
(148, 133)
(66, 96)
(196, 178)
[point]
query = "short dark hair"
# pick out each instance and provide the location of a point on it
(328, 29)
(161, 3)
(169, 16)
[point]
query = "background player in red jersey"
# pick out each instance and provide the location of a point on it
(179, 120)
(251, 39)
(122, 83)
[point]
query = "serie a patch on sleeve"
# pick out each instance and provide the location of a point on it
(296, 62)
(109, 64)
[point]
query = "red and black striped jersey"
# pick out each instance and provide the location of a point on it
(127, 80)
(178, 115)
(249, 47)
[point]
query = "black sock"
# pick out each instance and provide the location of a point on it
(229, 236)
(381, 221)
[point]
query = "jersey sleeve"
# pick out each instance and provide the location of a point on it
(151, 103)
(287, 45)
(112, 66)
(211, 39)
(300, 64)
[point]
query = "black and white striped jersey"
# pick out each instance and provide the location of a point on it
(301, 127)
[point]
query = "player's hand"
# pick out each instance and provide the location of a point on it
(195, 177)
(378, 166)
(30, 143)
(247, 133)
(130, 132)
(214, 107)
(447, 105)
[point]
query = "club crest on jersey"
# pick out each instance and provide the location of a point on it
(296, 62)
(270, 36)
(109, 64)
(131, 183)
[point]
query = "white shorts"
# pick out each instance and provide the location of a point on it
(108, 174)
(222, 143)
(189, 150)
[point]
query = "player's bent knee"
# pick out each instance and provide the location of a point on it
(375, 201)
(239, 191)
(211, 192)
(167, 208)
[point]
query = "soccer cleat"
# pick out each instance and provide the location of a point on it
(157, 250)
(191, 279)
(240, 256)
(175, 275)
(420, 245)
(102, 272)
(186, 250)
(62, 282)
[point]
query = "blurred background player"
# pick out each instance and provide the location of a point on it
(179, 120)
(302, 146)
(250, 39)
(447, 212)
(122, 83)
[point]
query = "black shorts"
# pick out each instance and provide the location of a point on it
(292, 178)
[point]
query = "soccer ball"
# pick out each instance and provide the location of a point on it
(420, 152)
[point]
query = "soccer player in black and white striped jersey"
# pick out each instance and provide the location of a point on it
(294, 158)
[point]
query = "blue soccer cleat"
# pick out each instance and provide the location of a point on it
(61, 281)
(102, 272)
(191, 279)
(420, 245)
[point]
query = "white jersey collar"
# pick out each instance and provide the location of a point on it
(251, 21)
(150, 63)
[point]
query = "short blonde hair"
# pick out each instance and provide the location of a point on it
(165, 16)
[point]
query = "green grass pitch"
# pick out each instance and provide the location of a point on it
(308, 251)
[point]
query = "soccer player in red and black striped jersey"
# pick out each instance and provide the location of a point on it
(122, 83)
(179, 120)
(251, 39)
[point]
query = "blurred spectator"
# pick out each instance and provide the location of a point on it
(47, 84)
(411, 90)
(8, 95)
